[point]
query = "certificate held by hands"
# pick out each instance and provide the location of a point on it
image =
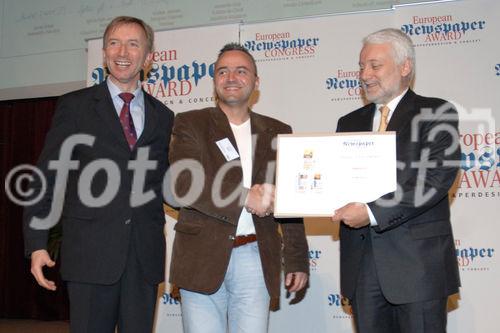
(317, 174)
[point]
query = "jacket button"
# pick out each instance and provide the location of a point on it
(231, 237)
(362, 237)
(127, 221)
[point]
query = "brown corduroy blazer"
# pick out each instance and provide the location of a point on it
(205, 230)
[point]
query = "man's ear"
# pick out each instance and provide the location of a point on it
(406, 68)
(257, 82)
(148, 60)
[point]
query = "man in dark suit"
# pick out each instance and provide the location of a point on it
(227, 253)
(113, 246)
(398, 263)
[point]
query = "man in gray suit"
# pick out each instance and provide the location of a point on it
(398, 263)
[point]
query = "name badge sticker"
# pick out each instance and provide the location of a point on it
(227, 149)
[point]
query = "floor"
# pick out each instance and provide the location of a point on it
(33, 326)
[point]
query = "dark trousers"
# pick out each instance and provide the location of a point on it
(374, 314)
(128, 304)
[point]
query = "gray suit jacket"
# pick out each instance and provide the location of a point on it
(413, 244)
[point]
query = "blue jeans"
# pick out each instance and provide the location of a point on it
(241, 305)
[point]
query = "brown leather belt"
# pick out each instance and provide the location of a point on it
(244, 239)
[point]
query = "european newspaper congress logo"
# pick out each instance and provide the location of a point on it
(497, 69)
(473, 257)
(281, 46)
(440, 30)
(344, 85)
(168, 82)
(340, 306)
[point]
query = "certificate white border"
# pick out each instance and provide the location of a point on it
(281, 164)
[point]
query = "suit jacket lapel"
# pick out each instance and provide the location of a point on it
(404, 112)
(220, 129)
(106, 110)
(365, 120)
(262, 137)
(150, 119)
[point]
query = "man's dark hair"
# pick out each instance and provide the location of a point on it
(236, 47)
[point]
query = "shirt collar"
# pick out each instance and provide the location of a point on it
(115, 91)
(393, 103)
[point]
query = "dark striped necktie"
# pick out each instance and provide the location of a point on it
(127, 121)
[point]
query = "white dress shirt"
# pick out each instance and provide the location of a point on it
(243, 135)
(136, 105)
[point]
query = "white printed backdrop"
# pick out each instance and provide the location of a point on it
(309, 78)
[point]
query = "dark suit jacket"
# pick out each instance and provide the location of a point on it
(96, 240)
(204, 231)
(413, 245)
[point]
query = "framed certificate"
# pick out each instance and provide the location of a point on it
(319, 173)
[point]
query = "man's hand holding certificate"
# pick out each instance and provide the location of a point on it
(318, 174)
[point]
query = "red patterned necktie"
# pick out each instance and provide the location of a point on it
(126, 120)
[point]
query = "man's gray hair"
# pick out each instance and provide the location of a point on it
(402, 45)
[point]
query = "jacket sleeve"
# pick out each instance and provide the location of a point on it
(432, 174)
(295, 247)
(63, 125)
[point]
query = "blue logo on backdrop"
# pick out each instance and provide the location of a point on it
(168, 299)
(474, 258)
(337, 300)
(340, 306)
(314, 257)
(344, 84)
(442, 30)
(497, 69)
(164, 74)
(281, 46)
(177, 82)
